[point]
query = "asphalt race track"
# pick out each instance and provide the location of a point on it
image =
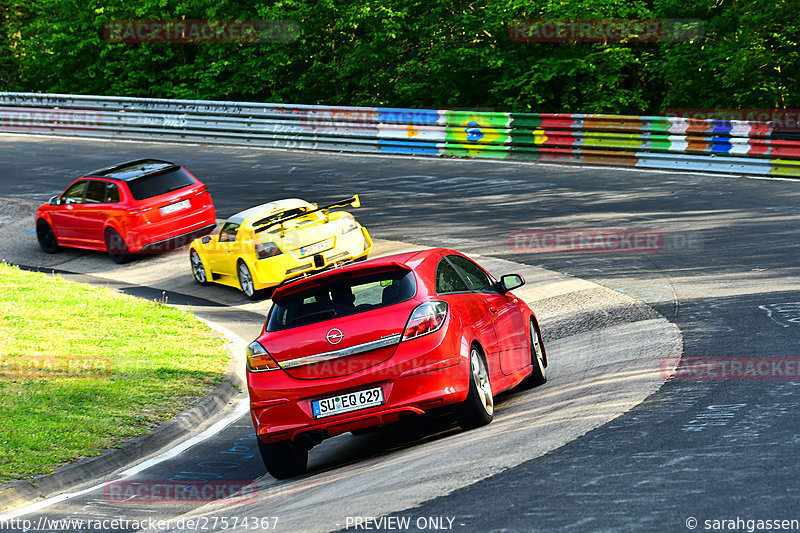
(726, 274)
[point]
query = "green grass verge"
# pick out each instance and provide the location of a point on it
(83, 368)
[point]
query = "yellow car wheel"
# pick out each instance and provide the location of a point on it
(246, 281)
(199, 272)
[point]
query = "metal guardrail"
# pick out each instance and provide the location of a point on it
(731, 146)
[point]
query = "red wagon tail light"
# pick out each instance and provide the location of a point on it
(426, 318)
(259, 360)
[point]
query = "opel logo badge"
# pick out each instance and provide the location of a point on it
(335, 336)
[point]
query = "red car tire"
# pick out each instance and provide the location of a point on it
(47, 238)
(283, 459)
(116, 247)
(538, 358)
(478, 408)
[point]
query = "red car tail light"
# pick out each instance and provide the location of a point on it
(203, 192)
(139, 210)
(259, 360)
(265, 250)
(426, 318)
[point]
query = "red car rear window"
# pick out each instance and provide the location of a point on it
(342, 297)
(158, 184)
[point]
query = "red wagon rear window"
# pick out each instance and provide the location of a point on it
(158, 184)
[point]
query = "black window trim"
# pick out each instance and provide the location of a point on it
(116, 185)
(236, 231)
(85, 181)
(494, 289)
(466, 283)
(105, 193)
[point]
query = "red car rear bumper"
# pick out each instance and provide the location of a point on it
(423, 374)
(148, 238)
(173, 243)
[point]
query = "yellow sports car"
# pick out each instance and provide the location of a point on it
(266, 245)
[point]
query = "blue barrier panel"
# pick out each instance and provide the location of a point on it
(721, 145)
(401, 115)
(722, 127)
(400, 147)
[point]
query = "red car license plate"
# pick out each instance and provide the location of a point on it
(344, 403)
(171, 208)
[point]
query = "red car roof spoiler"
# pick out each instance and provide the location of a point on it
(332, 275)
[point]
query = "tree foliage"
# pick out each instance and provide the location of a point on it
(414, 53)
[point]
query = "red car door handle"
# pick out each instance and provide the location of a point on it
(493, 309)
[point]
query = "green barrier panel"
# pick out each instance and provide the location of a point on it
(533, 121)
(476, 134)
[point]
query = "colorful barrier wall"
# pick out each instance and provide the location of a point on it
(674, 143)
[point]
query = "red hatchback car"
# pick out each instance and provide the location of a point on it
(372, 342)
(141, 206)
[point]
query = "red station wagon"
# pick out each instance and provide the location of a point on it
(370, 343)
(141, 206)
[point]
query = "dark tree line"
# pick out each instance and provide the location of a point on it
(414, 53)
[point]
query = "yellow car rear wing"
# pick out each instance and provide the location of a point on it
(353, 201)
